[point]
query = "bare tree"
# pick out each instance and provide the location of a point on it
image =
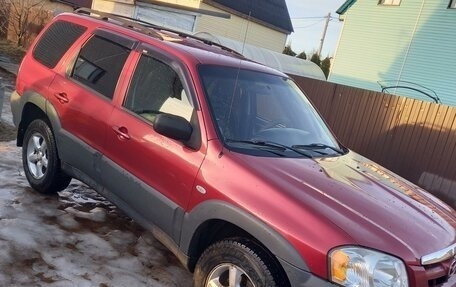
(17, 15)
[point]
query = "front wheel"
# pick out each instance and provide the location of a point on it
(40, 159)
(235, 263)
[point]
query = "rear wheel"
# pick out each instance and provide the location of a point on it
(40, 159)
(235, 263)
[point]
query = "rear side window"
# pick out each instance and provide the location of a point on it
(99, 65)
(56, 40)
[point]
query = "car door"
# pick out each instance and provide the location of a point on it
(83, 96)
(151, 173)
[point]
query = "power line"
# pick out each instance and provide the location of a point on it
(300, 18)
(310, 25)
(317, 17)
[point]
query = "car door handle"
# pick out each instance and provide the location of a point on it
(122, 132)
(62, 97)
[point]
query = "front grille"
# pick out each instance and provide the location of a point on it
(437, 273)
(437, 282)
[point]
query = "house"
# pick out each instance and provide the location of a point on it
(263, 23)
(76, 3)
(406, 45)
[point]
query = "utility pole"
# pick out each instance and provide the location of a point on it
(322, 41)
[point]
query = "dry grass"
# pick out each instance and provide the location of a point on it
(11, 51)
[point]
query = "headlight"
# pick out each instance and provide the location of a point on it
(360, 267)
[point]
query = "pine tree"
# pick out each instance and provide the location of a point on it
(302, 55)
(326, 66)
(316, 59)
(288, 51)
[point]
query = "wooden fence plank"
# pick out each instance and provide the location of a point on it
(380, 127)
(407, 140)
(445, 166)
(417, 152)
(385, 139)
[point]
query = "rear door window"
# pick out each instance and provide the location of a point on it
(99, 65)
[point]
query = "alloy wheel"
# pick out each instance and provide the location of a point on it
(37, 156)
(229, 275)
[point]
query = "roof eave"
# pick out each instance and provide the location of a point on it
(253, 19)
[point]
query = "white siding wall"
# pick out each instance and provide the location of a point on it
(235, 28)
(114, 7)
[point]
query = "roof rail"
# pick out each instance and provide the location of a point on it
(128, 22)
(148, 28)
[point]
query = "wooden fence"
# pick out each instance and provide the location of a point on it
(415, 139)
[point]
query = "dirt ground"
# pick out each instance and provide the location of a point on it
(11, 51)
(7, 132)
(15, 54)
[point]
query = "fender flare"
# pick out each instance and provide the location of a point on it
(42, 103)
(219, 210)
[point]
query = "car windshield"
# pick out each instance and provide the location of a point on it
(260, 111)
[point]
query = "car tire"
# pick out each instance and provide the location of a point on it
(40, 159)
(236, 262)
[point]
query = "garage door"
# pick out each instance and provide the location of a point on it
(171, 18)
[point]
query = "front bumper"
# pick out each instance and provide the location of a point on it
(302, 278)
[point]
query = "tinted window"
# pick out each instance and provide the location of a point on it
(156, 88)
(99, 65)
(56, 40)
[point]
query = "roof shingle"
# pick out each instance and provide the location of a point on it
(272, 12)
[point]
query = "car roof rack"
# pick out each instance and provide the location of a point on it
(122, 20)
(149, 28)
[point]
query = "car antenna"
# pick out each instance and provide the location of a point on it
(246, 32)
(236, 83)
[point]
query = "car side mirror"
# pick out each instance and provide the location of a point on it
(173, 127)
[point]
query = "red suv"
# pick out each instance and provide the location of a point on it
(224, 160)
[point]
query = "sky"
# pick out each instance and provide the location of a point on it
(308, 22)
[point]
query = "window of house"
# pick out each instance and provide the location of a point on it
(452, 4)
(99, 65)
(390, 2)
(156, 88)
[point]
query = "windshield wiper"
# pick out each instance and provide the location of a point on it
(319, 146)
(271, 144)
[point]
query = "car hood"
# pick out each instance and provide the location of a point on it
(375, 207)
